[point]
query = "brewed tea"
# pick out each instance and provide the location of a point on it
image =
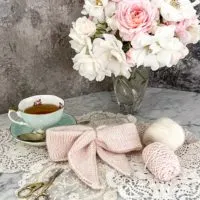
(41, 109)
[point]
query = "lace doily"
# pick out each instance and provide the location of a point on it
(15, 156)
(141, 185)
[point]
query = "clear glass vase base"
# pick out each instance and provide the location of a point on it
(130, 92)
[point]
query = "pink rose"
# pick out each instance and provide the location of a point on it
(134, 16)
(188, 31)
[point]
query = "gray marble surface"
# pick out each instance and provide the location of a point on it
(184, 107)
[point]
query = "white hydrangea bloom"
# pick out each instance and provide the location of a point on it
(157, 51)
(82, 29)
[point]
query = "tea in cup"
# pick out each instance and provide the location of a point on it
(39, 112)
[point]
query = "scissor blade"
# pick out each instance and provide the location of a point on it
(51, 180)
(57, 173)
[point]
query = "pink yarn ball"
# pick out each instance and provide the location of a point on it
(161, 161)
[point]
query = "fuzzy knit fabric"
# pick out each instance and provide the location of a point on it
(161, 161)
(80, 144)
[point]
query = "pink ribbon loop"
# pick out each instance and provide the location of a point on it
(80, 145)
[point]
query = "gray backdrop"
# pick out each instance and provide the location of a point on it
(35, 57)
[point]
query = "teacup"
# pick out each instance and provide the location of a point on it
(38, 121)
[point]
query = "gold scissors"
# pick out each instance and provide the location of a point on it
(30, 189)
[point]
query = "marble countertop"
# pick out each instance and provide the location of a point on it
(184, 107)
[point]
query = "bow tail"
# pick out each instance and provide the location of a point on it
(117, 161)
(82, 159)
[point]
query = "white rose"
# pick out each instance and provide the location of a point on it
(175, 10)
(102, 58)
(110, 54)
(82, 29)
(84, 26)
(112, 23)
(194, 32)
(95, 10)
(110, 9)
(188, 31)
(87, 65)
(78, 41)
(157, 51)
(110, 15)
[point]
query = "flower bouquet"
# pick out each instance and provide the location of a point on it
(123, 38)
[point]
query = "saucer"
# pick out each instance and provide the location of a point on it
(17, 129)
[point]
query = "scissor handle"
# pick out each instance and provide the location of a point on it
(28, 190)
(42, 196)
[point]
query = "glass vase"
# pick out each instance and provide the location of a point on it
(130, 92)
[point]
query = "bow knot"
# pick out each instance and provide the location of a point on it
(80, 144)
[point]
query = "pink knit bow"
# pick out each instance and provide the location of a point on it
(80, 144)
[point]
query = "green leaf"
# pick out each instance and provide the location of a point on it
(126, 46)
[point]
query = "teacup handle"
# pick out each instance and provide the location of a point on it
(18, 114)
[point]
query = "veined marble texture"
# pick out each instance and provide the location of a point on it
(184, 76)
(181, 106)
(35, 54)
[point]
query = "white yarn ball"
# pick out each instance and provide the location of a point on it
(165, 131)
